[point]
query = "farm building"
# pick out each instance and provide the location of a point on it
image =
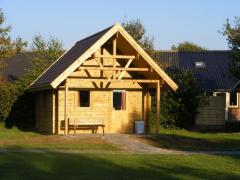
(211, 68)
(102, 81)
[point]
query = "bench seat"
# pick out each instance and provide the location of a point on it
(92, 124)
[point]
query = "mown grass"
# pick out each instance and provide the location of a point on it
(17, 139)
(195, 141)
(48, 165)
(117, 166)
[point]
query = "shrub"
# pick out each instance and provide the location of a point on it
(17, 105)
(178, 109)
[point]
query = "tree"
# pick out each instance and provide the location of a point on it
(137, 30)
(187, 46)
(179, 109)
(16, 104)
(8, 47)
(44, 53)
(232, 33)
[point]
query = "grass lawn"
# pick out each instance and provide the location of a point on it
(49, 165)
(16, 139)
(117, 166)
(188, 140)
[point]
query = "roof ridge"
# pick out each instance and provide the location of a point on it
(202, 51)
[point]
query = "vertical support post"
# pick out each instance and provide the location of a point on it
(158, 108)
(114, 54)
(57, 109)
(227, 94)
(65, 107)
(146, 101)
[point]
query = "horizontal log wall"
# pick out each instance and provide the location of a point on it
(101, 108)
(213, 113)
(45, 115)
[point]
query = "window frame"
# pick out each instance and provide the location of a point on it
(233, 106)
(79, 99)
(121, 100)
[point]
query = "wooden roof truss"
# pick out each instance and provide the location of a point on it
(118, 72)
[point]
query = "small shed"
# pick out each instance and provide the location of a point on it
(103, 80)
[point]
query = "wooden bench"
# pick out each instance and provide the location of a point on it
(92, 124)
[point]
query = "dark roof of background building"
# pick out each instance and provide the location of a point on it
(15, 66)
(214, 76)
(68, 58)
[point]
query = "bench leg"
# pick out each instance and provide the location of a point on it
(96, 129)
(74, 128)
(103, 130)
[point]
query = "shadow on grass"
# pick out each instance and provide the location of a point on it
(91, 166)
(179, 142)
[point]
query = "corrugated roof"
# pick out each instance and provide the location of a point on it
(215, 76)
(67, 59)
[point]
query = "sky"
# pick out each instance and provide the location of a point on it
(168, 21)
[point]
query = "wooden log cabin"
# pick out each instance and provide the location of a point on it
(103, 80)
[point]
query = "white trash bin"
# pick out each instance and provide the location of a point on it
(139, 127)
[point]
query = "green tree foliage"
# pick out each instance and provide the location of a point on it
(8, 47)
(137, 30)
(187, 46)
(232, 33)
(44, 53)
(16, 104)
(178, 109)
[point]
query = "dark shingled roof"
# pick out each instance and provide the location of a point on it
(68, 58)
(15, 66)
(213, 77)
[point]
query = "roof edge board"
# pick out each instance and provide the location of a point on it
(152, 63)
(29, 87)
(84, 56)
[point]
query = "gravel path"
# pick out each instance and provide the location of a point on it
(130, 144)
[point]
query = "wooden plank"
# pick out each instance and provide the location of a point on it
(65, 107)
(114, 69)
(149, 107)
(59, 120)
(101, 66)
(146, 109)
(126, 66)
(115, 56)
(158, 109)
(122, 80)
(137, 57)
(147, 58)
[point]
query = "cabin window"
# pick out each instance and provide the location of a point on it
(119, 100)
(233, 102)
(84, 98)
